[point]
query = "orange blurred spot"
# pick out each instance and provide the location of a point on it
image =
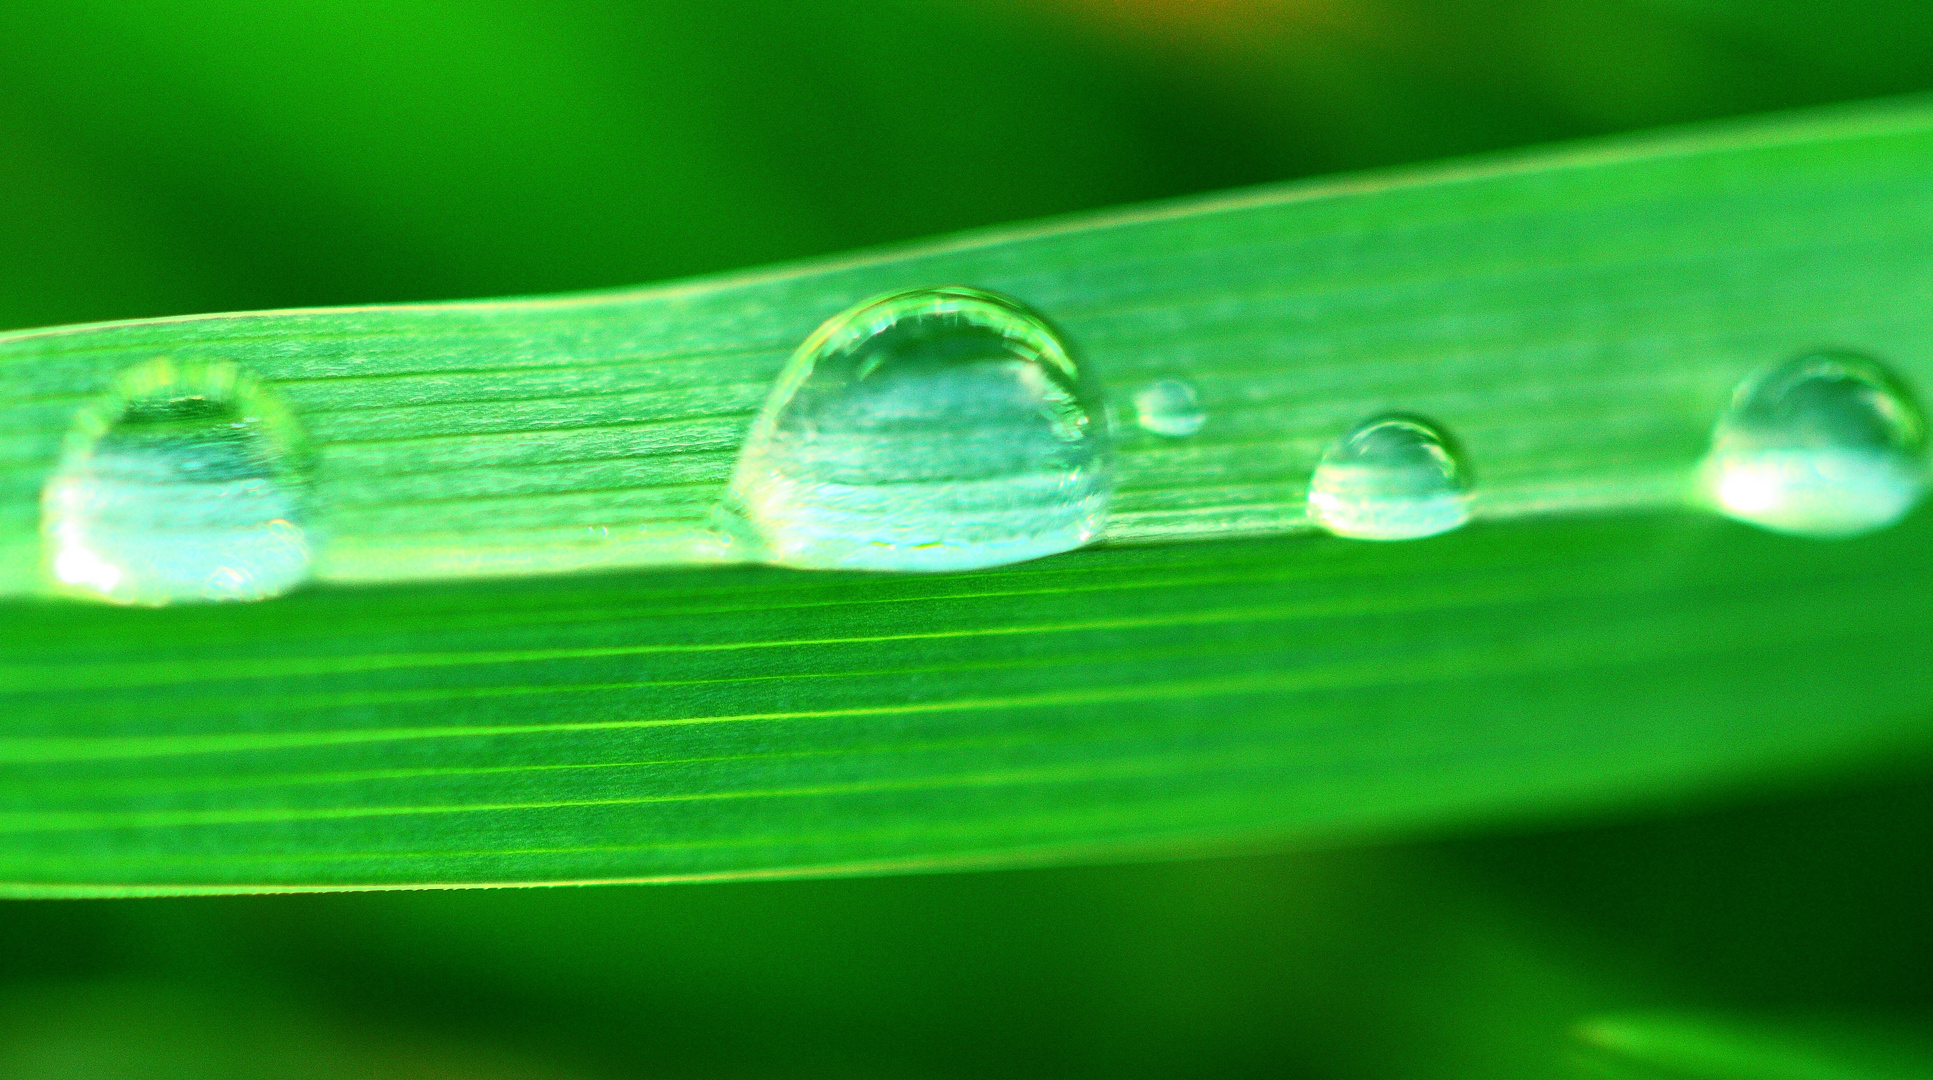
(1216, 20)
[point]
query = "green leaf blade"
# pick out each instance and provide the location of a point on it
(1577, 320)
(1669, 1046)
(739, 722)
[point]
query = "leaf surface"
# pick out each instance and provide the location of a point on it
(1213, 676)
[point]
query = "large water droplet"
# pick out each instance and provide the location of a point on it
(1393, 477)
(1169, 408)
(185, 485)
(1827, 445)
(937, 429)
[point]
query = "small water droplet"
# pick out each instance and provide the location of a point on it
(1828, 445)
(936, 429)
(184, 485)
(1169, 408)
(1394, 477)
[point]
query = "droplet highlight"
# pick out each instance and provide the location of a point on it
(935, 429)
(1828, 445)
(1169, 408)
(1394, 477)
(184, 485)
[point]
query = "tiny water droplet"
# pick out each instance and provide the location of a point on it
(184, 485)
(1169, 408)
(1828, 445)
(1393, 477)
(935, 429)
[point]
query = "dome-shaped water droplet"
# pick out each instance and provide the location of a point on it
(1826, 445)
(937, 429)
(1391, 478)
(1169, 408)
(185, 485)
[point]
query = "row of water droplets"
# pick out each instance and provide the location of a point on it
(934, 429)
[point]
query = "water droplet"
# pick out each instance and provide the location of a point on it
(1393, 477)
(1827, 445)
(936, 429)
(1168, 408)
(184, 485)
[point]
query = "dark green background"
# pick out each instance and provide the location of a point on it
(171, 157)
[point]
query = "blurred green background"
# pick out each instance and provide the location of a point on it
(165, 158)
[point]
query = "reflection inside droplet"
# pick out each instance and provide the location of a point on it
(1394, 477)
(937, 429)
(1169, 408)
(184, 485)
(1827, 445)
